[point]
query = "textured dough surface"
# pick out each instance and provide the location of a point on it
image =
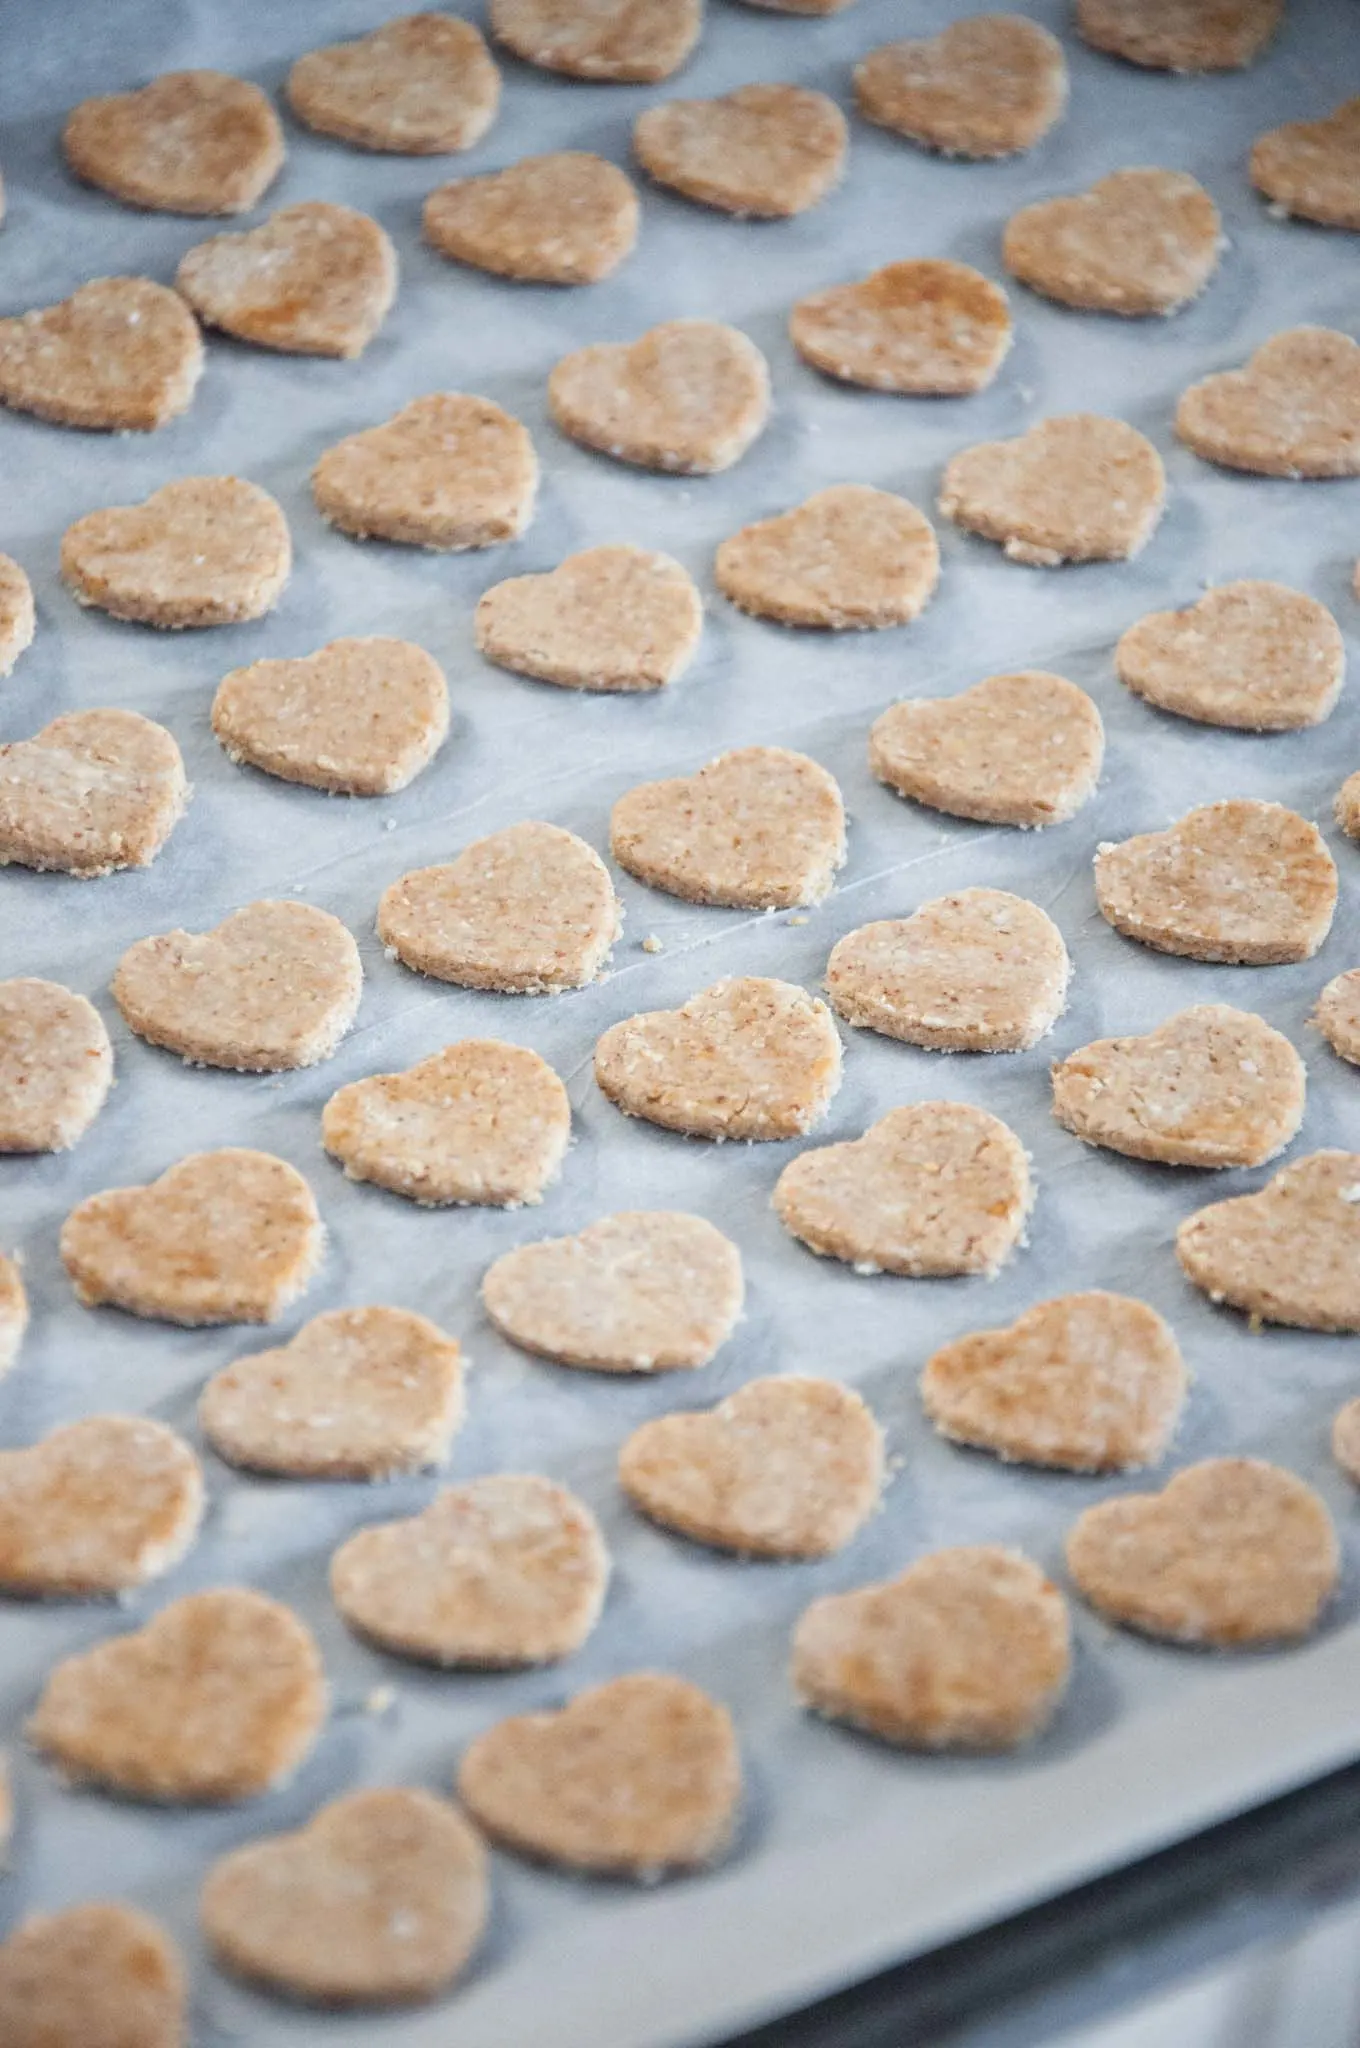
(924, 326)
(759, 828)
(99, 1506)
(1140, 241)
(198, 142)
(101, 1975)
(988, 86)
(18, 620)
(313, 280)
(91, 792)
(448, 472)
(1312, 168)
(609, 618)
(358, 717)
(417, 86)
(767, 151)
(1180, 35)
(565, 218)
(1293, 410)
(13, 1312)
(1289, 1253)
(56, 1066)
(620, 42)
(1078, 488)
(849, 556)
(1023, 749)
(120, 354)
(1255, 656)
(204, 551)
(1337, 1015)
(689, 396)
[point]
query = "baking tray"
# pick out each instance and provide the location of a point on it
(850, 1856)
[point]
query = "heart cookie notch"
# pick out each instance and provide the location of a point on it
(611, 618)
(101, 1506)
(312, 280)
(565, 218)
(1256, 657)
(1143, 241)
(689, 396)
(1078, 488)
(206, 551)
(417, 86)
(850, 556)
(1287, 1254)
(761, 828)
(447, 472)
(56, 1066)
(1293, 411)
(92, 792)
(1023, 749)
(927, 327)
(988, 86)
(90, 1969)
(198, 142)
(358, 717)
(120, 354)
(1312, 168)
(764, 151)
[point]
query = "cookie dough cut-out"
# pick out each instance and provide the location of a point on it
(1347, 806)
(925, 326)
(1180, 35)
(989, 86)
(1346, 1440)
(101, 1506)
(13, 1312)
(1078, 488)
(689, 396)
(609, 619)
(1288, 1254)
(1312, 168)
(120, 354)
(103, 1975)
(565, 218)
(763, 151)
(1258, 657)
(1293, 411)
(56, 1066)
(1141, 241)
(1022, 749)
(447, 472)
(617, 42)
(18, 621)
(761, 828)
(1337, 1015)
(313, 280)
(417, 86)
(92, 792)
(848, 557)
(198, 142)
(358, 717)
(205, 551)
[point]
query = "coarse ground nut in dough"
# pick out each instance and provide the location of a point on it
(120, 354)
(1293, 410)
(783, 1468)
(91, 792)
(497, 1574)
(966, 1649)
(197, 142)
(609, 619)
(417, 86)
(747, 1058)
(1312, 168)
(689, 396)
(1086, 1383)
(638, 1292)
(358, 1393)
(760, 828)
(1254, 656)
(1289, 1253)
(18, 620)
(1023, 749)
(231, 1236)
(926, 326)
(448, 472)
(932, 1190)
(618, 42)
(205, 551)
(1337, 1015)
(100, 1506)
(1077, 488)
(1241, 881)
(358, 717)
(848, 557)
(56, 1066)
(634, 1778)
(764, 151)
(13, 1312)
(313, 280)
(1180, 35)
(379, 1900)
(1138, 242)
(1232, 1552)
(988, 86)
(527, 911)
(1346, 1440)
(479, 1124)
(565, 218)
(94, 1976)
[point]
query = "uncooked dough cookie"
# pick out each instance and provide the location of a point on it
(801, 6)
(767, 151)
(848, 557)
(643, 1291)
(205, 551)
(621, 42)
(1241, 881)
(1347, 806)
(978, 971)
(480, 1123)
(1022, 749)
(988, 86)
(1346, 1440)
(1289, 1253)
(418, 86)
(1312, 168)
(526, 911)
(121, 353)
(13, 1312)
(1293, 411)
(925, 326)
(1212, 1087)
(1087, 1383)
(1337, 1015)
(689, 396)
(101, 1506)
(634, 1778)
(56, 1066)
(197, 142)
(360, 717)
(91, 792)
(967, 1649)
(1142, 241)
(274, 986)
(1180, 35)
(219, 1697)
(313, 280)
(746, 1058)
(222, 1237)
(1232, 1551)
(761, 828)
(930, 1190)
(503, 1572)
(788, 1467)
(379, 1900)
(1078, 488)
(565, 218)
(447, 471)
(1255, 656)
(95, 1976)
(17, 617)
(611, 618)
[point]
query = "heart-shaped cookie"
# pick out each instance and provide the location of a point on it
(1289, 1253)
(689, 396)
(56, 1066)
(525, 911)
(988, 86)
(502, 1572)
(746, 1058)
(206, 551)
(1078, 488)
(1087, 1383)
(1293, 411)
(1346, 1440)
(1180, 35)
(13, 1312)
(760, 828)
(638, 1292)
(447, 472)
(1312, 168)
(1242, 881)
(190, 142)
(218, 1698)
(1232, 1551)
(358, 717)
(635, 1778)
(312, 280)
(782, 1468)
(480, 1123)
(121, 353)
(379, 1900)
(1022, 749)
(222, 1237)
(1254, 656)
(850, 556)
(91, 792)
(1337, 1015)
(612, 618)
(18, 620)
(924, 326)
(274, 986)
(100, 1506)
(932, 1189)
(620, 42)
(967, 1649)
(769, 151)
(565, 218)
(1346, 807)
(1144, 241)
(359, 1393)
(103, 1976)
(1212, 1087)
(417, 86)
